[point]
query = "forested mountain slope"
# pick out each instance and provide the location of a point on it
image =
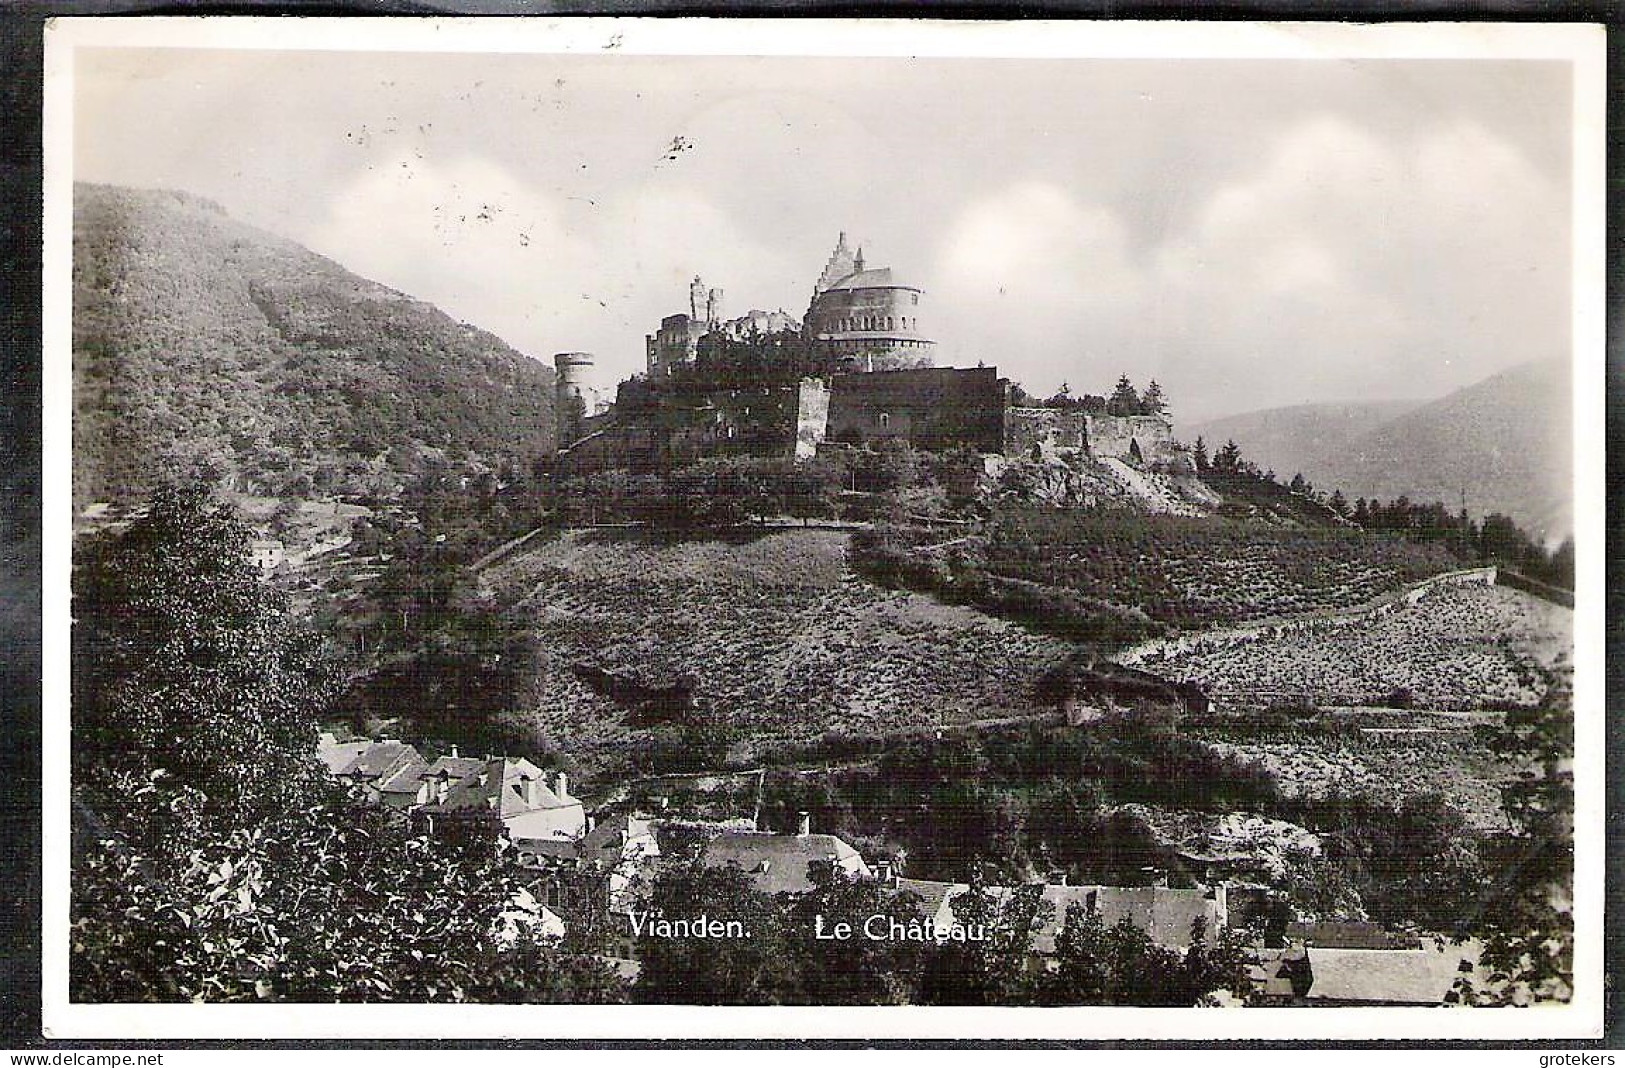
(201, 340)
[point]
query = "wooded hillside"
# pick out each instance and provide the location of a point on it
(199, 340)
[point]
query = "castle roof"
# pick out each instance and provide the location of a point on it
(874, 278)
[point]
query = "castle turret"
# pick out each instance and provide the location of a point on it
(696, 300)
(569, 404)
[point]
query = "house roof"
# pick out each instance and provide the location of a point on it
(379, 759)
(614, 838)
(933, 895)
(778, 862)
(499, 785)
(1347, 934)
(1166, 915)
(1383, 976)
(456, 769)
(338, 756)
(405, 778)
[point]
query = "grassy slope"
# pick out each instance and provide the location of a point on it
(783, 640)
(198, 337)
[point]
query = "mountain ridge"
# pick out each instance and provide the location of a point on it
(1503, 443)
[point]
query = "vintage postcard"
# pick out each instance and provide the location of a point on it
(621, 528)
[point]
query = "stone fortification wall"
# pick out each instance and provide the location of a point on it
(1047, 428)
(812, 417)
(931, 408)
(1118, 435)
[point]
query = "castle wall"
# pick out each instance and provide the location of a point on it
(1114, 435)
(812, 417)
(1046, 428)
(931, 408)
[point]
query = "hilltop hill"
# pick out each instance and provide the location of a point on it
(1302, 437)
(1504, 441)
(201, 340)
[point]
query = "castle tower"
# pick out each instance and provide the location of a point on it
(713, 308)
(696, 300)
(569, 405)
(866, 317)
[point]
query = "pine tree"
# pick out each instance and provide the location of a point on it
(1201, 456)
(1124, 399)
(1152, 401)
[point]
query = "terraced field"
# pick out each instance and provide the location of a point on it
(1458, 648)
(1391, 766)
(1197, 573)
(780, 639)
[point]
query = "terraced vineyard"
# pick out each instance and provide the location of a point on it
(1194, 573)
(1458, 648)
(1388, 765)
(780, 640)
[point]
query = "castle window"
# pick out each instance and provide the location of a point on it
(913, 298)
(888, 322)
(885, 419)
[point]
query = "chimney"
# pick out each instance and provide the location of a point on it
(563, 786)
(527, 786)
(883, 870)
(454, 752)
(804, 828)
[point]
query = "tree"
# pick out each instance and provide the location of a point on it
(1125, 400)
(1526, 916)
(213, 857)
(994, 968)
(1152, 402)
(1201, 456)
(759, 969)
(1227, 461)
(858, 969)
(184, 662)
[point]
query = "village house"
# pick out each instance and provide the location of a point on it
(528, 803)
(388, 770)
(1167, 916)
(780, 863)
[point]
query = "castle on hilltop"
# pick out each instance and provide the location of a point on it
(857, 371)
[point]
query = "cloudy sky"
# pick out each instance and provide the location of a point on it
(1250, 233)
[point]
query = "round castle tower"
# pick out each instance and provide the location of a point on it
(865, 316)
(569, 404)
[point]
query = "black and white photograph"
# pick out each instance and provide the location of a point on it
(873, 528)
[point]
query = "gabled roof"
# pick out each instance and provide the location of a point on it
(1347, 934)
(933, 895)
(497, 785)
(379, 759)
(1383, 976)
(456, 769)
(613, 839)
(405, 778)
(1166, 915)
(778, 862)
(338, 756)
